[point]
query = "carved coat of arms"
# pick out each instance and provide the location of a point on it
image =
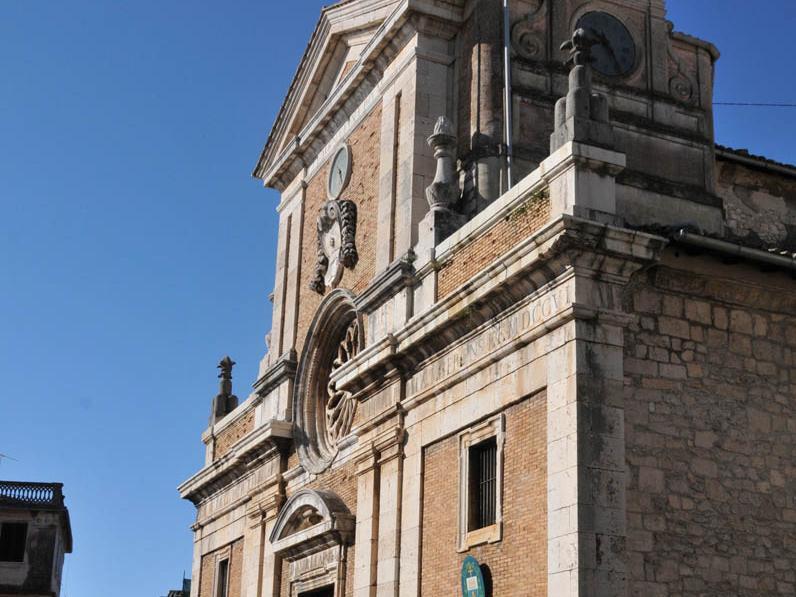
(337, 225)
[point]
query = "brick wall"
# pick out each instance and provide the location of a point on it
(208, 571)
(232, 434)
(362, 190)
(710, 377)
(518, 563)
(474, 256)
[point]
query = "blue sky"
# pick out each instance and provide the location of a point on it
(135, 249)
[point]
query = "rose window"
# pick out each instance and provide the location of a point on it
(322, 412)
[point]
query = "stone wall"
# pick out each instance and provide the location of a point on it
(758, 204)
(362, 190)
(518, 563)
(710, 380)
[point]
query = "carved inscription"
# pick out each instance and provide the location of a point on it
(500, 334)
(317, 564)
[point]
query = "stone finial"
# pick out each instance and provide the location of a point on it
(225, 401)
(580, 46)
(582, 115)
(444, 191)
(443, 126)
(225, 373)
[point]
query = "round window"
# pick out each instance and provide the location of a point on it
(323, 413)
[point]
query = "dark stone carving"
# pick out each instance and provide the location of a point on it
(528, 34)
(582, 115)
(579, 47)
(337, 227)
(526, 42)
(225, 401)
(681, 87)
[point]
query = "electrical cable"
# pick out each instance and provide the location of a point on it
(752, 104)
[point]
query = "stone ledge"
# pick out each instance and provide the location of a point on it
(399, 275)
(283, 370)
(230, 466)
(521, 272)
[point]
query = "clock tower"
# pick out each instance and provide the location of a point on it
(659, 87)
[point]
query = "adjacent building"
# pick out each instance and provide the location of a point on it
(526, 309)
(34, 536)
(185, 591)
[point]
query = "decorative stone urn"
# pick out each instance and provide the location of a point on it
(444, 191)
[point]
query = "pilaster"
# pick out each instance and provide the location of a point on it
(585, 373)
(196, 563)
(367, 524)
(411, 515)
(389, 542)
(262, 568)
(585, 419)
(272, 564)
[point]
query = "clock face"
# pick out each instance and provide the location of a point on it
(340, 172)
(615, 53)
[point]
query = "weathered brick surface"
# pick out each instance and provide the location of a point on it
(232, 434)
(208, 571)
(207, 575)
(362, 190)
(518, 563)
(343, 482)
(474, 256)
(292, 458)
(236, 569)
(710, 395)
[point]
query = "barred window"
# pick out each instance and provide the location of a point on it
(483, 484)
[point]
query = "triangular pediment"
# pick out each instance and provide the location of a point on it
(343, 32)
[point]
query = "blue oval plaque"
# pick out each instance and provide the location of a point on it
(472, 579)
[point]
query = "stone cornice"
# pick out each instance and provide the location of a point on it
(243, 455)
(328, 28)
(695, 41)
(270, 164)
(398, 275)
(564, 244)
(283, 370)
(278, 170)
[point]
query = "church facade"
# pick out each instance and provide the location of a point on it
(525, 310)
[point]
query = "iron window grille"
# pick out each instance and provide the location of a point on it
(483, 484)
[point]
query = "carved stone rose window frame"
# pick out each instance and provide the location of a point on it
(322, 414)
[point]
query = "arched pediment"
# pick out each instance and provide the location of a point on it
(311, 521)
